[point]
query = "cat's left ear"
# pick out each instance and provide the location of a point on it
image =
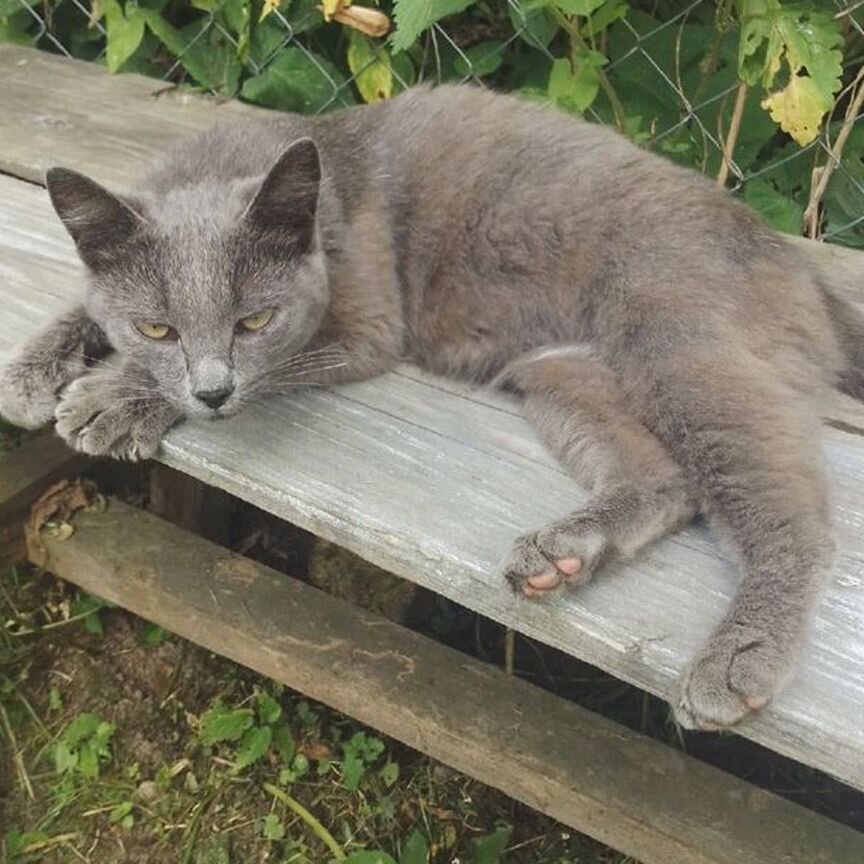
(288, 198)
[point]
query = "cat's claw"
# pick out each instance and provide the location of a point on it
(100, 414)
(737, 674)
(560, 554)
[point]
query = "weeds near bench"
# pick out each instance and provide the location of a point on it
(763, 95)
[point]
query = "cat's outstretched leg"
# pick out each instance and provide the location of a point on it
(31, 381)
(751, 445)
(116, 410)
(640, 493)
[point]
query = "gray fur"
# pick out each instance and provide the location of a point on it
(670, 348)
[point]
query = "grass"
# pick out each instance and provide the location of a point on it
(125, 743)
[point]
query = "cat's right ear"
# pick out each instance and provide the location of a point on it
(287, 200)
(98, 221)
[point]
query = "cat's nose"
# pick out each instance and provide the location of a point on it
(214, 398)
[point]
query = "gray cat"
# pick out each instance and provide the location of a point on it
(669, 348)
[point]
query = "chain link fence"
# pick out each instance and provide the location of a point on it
(667, 77)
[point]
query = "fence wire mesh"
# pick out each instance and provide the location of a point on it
(668, 77)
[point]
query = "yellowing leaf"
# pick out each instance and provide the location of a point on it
(798, 109)
(331, 7)
(795, 44)
(268, 7)
(372, 69)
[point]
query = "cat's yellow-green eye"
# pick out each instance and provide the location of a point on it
(256, 322)
(153, 331)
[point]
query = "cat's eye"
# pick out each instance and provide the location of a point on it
(155, 331)
(254, 323)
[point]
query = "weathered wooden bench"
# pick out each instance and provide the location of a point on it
(431, 481)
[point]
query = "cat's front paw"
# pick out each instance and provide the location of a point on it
(737, 673)
(29, 388)
(563, 553)
(104, 413)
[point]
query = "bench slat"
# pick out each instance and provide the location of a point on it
(432, 481)
(426, 478)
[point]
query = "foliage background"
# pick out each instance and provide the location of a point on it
(776, 85)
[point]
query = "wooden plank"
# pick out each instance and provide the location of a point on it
(57, 111)
(624, 789)
(31, 469)
(432, 481)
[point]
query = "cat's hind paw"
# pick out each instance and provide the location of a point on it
(563, 553)
(735, 675)
(104, 414)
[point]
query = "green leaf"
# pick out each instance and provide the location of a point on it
(205, 53)
(283, 738)
(303, 16)
(414, 16)
(578, 7)
(404, 74)
(64, 758)
(153, 634)
(415, 850)
(844, 200)
(389, 774)
(272, 829)
(11, 7)
(371, 67)
(88, 760)
(166, 33)
(55, 700)
(120, 812)
(608, 13)
(576, 90)
(267, 39)
(360, 751)
(536, 26)
(481, 59)
(83, 726)
(85, 604)
(489, 849)
(104, 733)
(224, 724)
(367, 857)
(297, 81)
(255, 744)
(269, 710)
(17, 841)
(124, 32)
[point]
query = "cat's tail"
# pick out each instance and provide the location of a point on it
(848, 323)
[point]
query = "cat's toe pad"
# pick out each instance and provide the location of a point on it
(737, 674)
(544, 560)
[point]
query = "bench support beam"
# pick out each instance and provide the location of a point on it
(620, 787)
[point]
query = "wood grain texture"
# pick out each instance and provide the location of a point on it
(432, 480)
(603, 779)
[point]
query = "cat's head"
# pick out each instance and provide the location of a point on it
(211, 287)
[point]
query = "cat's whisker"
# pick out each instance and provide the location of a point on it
(317, 369)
